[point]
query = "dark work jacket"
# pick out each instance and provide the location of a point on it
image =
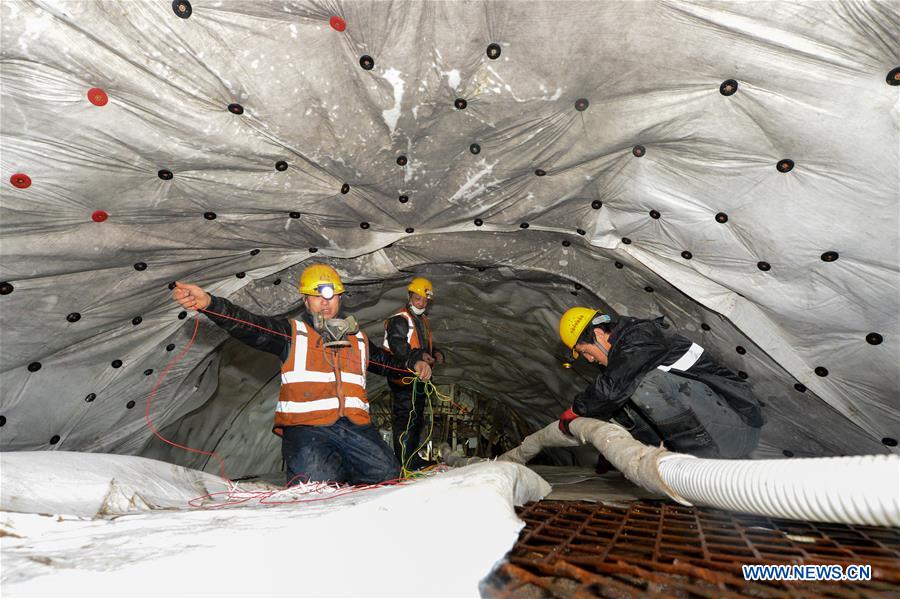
(279, 340)
(639, 346)
(397, 329)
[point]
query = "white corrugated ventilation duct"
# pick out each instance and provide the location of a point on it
(850, 490)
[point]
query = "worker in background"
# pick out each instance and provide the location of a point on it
(322, 414)
(407, 336)
(660, 386)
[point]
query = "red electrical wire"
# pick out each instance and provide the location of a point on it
(246, 322)
(162, 376)
(265, 497)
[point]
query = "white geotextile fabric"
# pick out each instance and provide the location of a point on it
(96, 484)
(811, 88)
(386, 542)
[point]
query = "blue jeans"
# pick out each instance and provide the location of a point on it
(343, 452)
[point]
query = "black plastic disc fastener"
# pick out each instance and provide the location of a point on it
(182, 8)
(729, 87)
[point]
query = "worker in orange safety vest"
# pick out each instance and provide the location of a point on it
(322, 412)
(407, 337)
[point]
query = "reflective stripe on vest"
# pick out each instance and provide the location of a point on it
(302, 375)
(409, 332)
(331, 403)
(318, 384)
(298, 372)
(688, 359)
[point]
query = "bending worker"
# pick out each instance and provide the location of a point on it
(407, 336)
(661, 387)
(322, 415)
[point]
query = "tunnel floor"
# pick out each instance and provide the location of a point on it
(654, 549)
(581, 483)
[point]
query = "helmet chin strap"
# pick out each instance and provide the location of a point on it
(601, 348)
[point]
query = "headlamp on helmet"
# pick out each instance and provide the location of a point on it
(326, 290)
(321, 280)
(600, 319)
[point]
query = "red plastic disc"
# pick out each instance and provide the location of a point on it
(99, 216)
(97, 96)
(338, 23)
(20, 180)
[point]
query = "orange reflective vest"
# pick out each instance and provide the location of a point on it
(319, 384)
(412, 335)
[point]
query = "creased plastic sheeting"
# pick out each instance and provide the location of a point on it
(811, 88)
(366, 544)
(94, 484)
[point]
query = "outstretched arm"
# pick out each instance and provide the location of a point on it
(272, 335)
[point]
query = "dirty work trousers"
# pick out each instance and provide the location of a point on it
(343, 452)
(407, 423)
(687, 416)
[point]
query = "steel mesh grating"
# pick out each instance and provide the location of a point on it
(649, 549)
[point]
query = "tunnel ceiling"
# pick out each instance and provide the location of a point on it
(733, 167)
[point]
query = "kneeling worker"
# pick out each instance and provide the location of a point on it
(407, 336)
(322, 415)
(659, 386)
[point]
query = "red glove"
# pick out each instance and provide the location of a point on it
(565, 419)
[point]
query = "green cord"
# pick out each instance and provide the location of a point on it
(404, 461)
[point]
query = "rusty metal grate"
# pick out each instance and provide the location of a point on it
(650, 549)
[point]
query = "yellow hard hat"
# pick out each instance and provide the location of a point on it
(321, 279)
(421, 286)
(573, 323)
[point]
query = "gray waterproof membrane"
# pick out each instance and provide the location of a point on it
(732, 166)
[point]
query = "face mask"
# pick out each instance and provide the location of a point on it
(417, 311)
